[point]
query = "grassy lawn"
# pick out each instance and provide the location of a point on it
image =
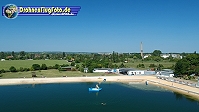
(55, 73)
(28, 63)
(51, 73)
(134, 64)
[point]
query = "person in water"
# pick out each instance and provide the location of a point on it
(97, 86)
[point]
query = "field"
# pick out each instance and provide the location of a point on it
(133, 64)
(55, 73)
(51, 73)
(28, 63)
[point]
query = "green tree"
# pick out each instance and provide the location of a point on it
(159, 67)
(140, 66)
(13, 54)
(197, 70)
(21, 69)
(157, 58)
(22, 53)
(77, 66)
(3, 71)
(13, 69)
(90, 69)
(152, 65)
(121, 65)
(2, 55)
(156, 53)
(56, 66)
(181, 67)
(72, 64)
(43, 67)
(63, 54)
(36, 67)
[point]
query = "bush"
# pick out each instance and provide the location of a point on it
(140, 65)
(21, 69)
(13, 69)
(82, 69)
(49, 67)
(26, 69)
(152, 65)
(43, 67)
(56, 66)
(3, 71)
(64, 65)
(73, 69)
(36, 66)
(77, 66)
(72, 64)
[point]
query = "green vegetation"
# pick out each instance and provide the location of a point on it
(51, 73)
(187, 65)
(28, 63)
(149, 64)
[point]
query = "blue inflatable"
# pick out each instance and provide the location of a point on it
(94, 89)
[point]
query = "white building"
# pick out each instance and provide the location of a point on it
(165, 55)
(2, 59)
(136, 72)
(102, 70)
(172, 55)
(165, 73)
(140, 72)
(147, 55)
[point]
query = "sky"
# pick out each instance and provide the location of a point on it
(105, 26)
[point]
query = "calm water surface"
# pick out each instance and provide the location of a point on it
(75, 97)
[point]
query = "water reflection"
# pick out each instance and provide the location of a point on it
(178, 96)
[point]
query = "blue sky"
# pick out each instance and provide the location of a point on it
(105, 26)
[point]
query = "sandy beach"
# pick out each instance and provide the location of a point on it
(180, 88)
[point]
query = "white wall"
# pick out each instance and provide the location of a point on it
(103, 71)
(136, 72)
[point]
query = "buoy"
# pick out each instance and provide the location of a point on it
(103, 103)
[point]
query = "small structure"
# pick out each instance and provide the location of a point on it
(136, 72)
(197, 84)
(66, 68)
(85, 70)
(165, 73)
(165, 55)
(125, 70)
(102, 70)
(2, 59)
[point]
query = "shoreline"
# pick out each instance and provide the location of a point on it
(175, 87)
(185, 90)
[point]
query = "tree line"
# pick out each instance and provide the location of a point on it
(114, 57)
(188, 65)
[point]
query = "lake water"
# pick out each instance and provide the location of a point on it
(75, 97)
